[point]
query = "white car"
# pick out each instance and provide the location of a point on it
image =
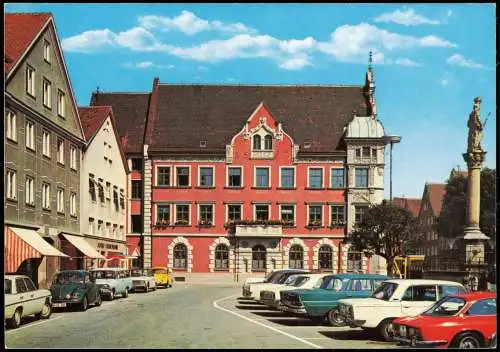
(22, 299)
(271, 296)
(142, 279)
(394, 299)
(279, 277)
(253, 280)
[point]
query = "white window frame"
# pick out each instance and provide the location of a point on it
(268, 209)
(157, 175)
(29, 190)
(227, 176)
(189, 213)
(322, 213)
(73, 157)
(294, 175)
(269, 178)
(60, 151)
(189, 177)
(30, 81)
(330, 206)
(213, 175)
(213, 211)
(46, 143)
(227, 210)
(157, 218)
(12, 125)
(30, 134)
(46, 51)
(61, 103)
(367, 176)
(322, 176)
(60, 200)
(45, 195)
(72, 204)
(294, 211)
(11, 184)
(47, 93)
(331, 173)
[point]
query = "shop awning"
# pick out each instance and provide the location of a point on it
(22, 244)
(83, 246)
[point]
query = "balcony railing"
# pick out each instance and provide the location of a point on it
(255, 228)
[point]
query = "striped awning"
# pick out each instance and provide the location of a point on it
(22, 244)
(83, 246)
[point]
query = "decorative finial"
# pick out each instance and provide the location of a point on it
(370, 60)
(97, 91)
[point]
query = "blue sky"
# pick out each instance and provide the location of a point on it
(430, 61)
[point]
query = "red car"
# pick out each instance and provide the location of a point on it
(456, 321)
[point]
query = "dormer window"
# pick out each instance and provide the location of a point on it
(256, 142)
(268, 142)
(307, 145)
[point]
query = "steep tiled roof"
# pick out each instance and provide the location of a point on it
(186, 114)
(412, 204)
(436, 192)
(92, 118)
(19, 31)
(130, 112)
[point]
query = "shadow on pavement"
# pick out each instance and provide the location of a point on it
(250, 307)
(295, 322)
(354, 335)
(271, 314)
(251, 302)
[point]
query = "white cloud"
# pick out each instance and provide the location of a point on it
(190, 24)
(202, 68)
(230, 79)
(89, 41)
(404, 62)
(295, 64)
(146, 65)
(459, 60)
(444, 82)
(407, 18)
(449, 13)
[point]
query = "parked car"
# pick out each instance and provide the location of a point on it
(22, 298)
(75, 288)
(271, 296)
(142, 279)
(279, 277)
(321, 302)
(456, 321)
(111, 282)
(163, 277)
(253, 280)
(395, 299)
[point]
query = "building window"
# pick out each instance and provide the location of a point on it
(136, 164)
(361, 176)
(99, 227)
(163, 215)
(108, 229)
(366, 152)
(296, 257)
(234, 177)
(101, 192)
(221, 257)
(92, 188)
(45, 195)
(136, 189)
(30, 191)
(374, 153)
(287, 177)
(337, 214)
(60, 151)
(108, 190)
(30, 81)
(287, 214)
(206, 215)
(46, 51)
(115, 200)
(268, 142)
(136, 221)
(262, 177)
(182, 214)
(30, 134)
(233, 212)
(72, 204)
(337, 178)
(359, 212)
(122, 199)
(47, 96)
(315, 216)
(182, 176)
(11, 126)
(105, 151)
(72, 157)
(60, 200)
(262, 212)
(256, 142)
(259, 258)
(163, 176)
(354, 262)
(180, 256)
(91, 226)
(61, 103)
(315, 178)
(11, 185)
(206, 177)
(325, 257)
(109, 153)
(46, 144)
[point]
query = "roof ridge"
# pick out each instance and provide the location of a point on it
(29, 13)
(291, 85)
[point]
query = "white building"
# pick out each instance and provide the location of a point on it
(103, 184)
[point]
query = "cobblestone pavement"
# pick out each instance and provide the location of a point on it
(185, 316)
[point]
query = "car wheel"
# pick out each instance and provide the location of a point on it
(98, 302)
(385, 329)
(15, 321)
(111, 295)
(467, 340)
(85, 304)
(147, 288)
(335, 319)
(125, 293)
(46, 311)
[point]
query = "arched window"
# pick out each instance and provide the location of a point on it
(221, 257)
(296, 257)
(259, 256)
(325, 257)
(180, 256)
(354, 261)
(256, 142)
(268, 142)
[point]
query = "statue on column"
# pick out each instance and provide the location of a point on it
(475, 128)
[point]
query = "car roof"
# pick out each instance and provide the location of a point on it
(72, 271)
(474, 296)
(424, 281)
(107, 269)
(360, 276)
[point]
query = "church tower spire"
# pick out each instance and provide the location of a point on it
(370, 87)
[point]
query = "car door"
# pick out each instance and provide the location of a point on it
(34, 303)
(482, 316)
(22, 295)
(418, 298)
(90, 288)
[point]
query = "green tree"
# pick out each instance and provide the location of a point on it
(386, 230)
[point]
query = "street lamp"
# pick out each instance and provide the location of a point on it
(391, 139)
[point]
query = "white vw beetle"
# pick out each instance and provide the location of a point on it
(143, 279)
(394, 299)
(22, 299)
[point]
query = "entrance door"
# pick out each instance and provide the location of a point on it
(259, 256)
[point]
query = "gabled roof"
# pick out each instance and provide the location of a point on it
(412, 204)
(435, 193)
(20, 30)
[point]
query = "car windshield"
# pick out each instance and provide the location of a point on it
(446, 306)
(271, 276)
(332, 283)
(7, 286)
(300, 281)
(385, 291)
(136, 273)
(67, 277)
(284, 277)
(291, 279)
(104, 274)
(147, 272)
(319, 282)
